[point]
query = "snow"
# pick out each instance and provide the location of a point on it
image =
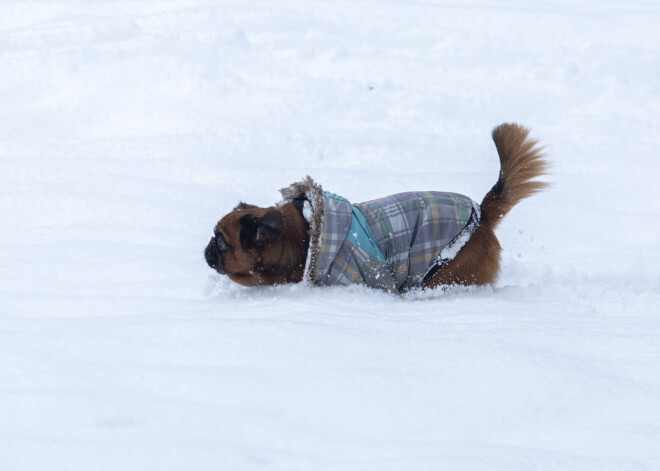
(128, 128)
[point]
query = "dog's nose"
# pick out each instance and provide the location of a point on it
(211, 254)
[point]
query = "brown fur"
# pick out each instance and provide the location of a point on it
(275, 261)
(521, 160)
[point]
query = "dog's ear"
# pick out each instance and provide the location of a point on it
(260, 230)
(270, 226)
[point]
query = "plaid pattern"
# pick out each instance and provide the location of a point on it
(411, 230)
(336, 221)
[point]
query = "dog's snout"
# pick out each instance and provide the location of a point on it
(214, 257)
(211, 255)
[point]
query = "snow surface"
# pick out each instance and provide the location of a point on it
(128, 128)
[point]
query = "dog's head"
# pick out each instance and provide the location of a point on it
(260, 246)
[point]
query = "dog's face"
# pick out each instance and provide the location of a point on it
(260, 246)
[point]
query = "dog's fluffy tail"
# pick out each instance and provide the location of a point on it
(521, 160)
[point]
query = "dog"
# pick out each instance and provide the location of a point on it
(396, 243)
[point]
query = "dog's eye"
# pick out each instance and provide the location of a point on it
(221, 244)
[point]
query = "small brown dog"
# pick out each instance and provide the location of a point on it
(403, 241)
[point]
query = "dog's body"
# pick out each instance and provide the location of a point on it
(396, 243)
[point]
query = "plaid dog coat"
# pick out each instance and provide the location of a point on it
(393, 243)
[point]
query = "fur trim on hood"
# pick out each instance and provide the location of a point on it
(313, 211)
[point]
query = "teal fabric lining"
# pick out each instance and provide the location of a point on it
(359, 232)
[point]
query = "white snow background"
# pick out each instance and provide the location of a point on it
(128, 128)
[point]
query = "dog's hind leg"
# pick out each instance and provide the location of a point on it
(477, 263)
